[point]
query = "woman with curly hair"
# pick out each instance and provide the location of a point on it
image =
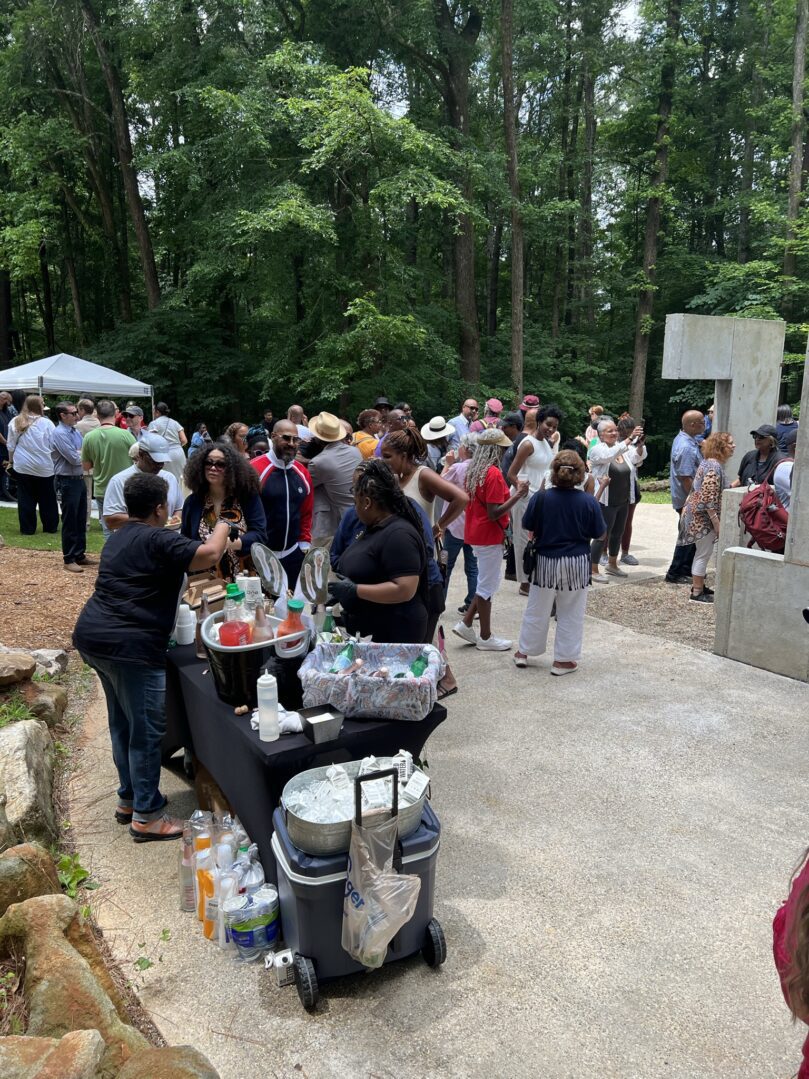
(699, 521)
(223, 487)
(383, 581)
(486, 523)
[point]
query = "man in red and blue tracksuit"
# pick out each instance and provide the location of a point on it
(287, 494)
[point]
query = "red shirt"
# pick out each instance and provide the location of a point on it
(479, 530)
(782, 928)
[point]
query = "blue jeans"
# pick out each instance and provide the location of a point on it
(100, 507)
(453, 547)
(136, 712)
(73, 493)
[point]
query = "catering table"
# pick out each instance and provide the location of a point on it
(252, 773)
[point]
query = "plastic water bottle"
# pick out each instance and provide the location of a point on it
(268, 729)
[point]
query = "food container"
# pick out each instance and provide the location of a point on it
(321, 724)
(236, 670)
(361, 695)
(335, 837)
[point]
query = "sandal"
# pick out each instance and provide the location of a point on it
(442, 693)
(123, 814)
(162, 827)
(525, 590)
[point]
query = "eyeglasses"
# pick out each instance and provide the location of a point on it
(70, 412)
(217, 463)
(473, 408)
(288, 438)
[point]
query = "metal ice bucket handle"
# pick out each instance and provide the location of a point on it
(368, 777)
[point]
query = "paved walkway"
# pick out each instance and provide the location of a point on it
(615, 844)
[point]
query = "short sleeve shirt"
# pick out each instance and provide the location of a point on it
(130, 615)
(114, 496)
(479, 530)
(563, 521)
(107, 450)
(386, 552)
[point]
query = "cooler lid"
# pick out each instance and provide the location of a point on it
(422, 841)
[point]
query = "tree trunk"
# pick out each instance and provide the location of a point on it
(6, 322)
(47, 299)
(494, 247)
(643, 321)
(559, 274)
(517, 236)
(798, 135)
(124, 147)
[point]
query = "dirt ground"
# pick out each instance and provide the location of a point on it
(41, 602)
(659, 609)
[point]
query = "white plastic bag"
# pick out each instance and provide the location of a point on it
(378, 900)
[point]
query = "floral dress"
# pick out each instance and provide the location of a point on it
(231, 511)
(704, 499)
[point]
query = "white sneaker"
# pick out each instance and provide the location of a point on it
(599, 578)
(603, 561)
(466, 633)
(493, 644)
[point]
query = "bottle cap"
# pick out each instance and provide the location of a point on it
(330, 610)
(234, 592)
(296, 605)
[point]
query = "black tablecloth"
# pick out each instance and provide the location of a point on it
(252, 773)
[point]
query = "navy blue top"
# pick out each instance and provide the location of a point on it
(253, 515)
(563, 521)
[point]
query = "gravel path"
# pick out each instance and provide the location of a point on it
(654, 607)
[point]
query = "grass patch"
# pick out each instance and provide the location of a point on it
(10, 531)
(656, 498)
(13, 709)
(13, 1013)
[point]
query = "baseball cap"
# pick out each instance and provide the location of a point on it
(765, 430)
(791, 436)
(493, 405)
(382, 402)
(529, 401)
(134, 410)
(158, 448)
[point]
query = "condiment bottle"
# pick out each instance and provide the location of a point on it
(291, 624)
(262, 630)
(235, 629)
(267, 694)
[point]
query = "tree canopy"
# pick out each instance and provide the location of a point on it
(246, 200)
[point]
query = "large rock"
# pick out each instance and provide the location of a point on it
(50, 660)
(76, 1056)
(7, 836)
(26, 871)
(16, 667)
(174, 1062)
(45, 700)
(26, 775)
(67, 986)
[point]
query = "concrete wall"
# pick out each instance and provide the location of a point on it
(743, 356)
(759, 619)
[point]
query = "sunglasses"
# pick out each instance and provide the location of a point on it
(219, 465)
(474, 408)
(288, 438)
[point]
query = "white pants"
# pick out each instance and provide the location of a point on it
(519, 534)
(702, 555)
(490, 567)
(570, 608)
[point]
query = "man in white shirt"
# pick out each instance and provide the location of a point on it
(152, 452)
(467, 415)
(782, 476)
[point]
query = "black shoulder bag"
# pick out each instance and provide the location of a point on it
(531, 552)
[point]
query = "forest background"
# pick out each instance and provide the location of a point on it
(322, 200)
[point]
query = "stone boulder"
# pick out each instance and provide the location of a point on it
(76, 1056)
(45, 700)
(16, 667)
(7, 836)
(67, 986)
(26, 775)
(26, 871)
(50, 661)
(173, 1062)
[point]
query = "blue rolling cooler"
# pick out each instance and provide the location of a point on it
(311, 889)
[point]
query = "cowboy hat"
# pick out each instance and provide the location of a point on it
(327, 427)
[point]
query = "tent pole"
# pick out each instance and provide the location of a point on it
(152, 396)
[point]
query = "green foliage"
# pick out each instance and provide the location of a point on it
(73, 875)
(13, 708)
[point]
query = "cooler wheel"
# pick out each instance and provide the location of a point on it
(434, 948)
(306, 982)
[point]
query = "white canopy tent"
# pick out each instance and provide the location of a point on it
(68, 374)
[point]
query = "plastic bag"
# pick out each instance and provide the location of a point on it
(378, 900)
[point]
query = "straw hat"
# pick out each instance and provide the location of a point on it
(437, 428)
(492, 436)
(327, 427)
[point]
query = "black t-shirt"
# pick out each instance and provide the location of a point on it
(751, 470)
(385, 552)
(130, 615)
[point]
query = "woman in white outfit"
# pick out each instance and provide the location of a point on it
(174, 434)
(613, 461)
(563, 520)
(531, 462)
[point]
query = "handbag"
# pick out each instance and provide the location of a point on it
(531, 552)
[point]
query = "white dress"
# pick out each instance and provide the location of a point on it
(169, 429)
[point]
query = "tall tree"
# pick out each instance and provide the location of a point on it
(643, 316)
(798, 133)
(517, 232)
